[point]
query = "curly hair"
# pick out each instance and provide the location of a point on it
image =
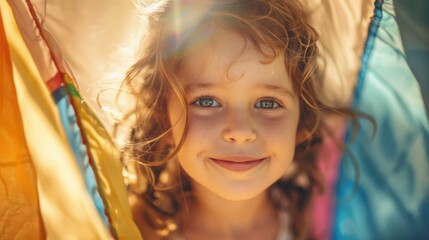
(175, 26)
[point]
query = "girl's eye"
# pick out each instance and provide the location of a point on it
(206, 102)
(267, 104)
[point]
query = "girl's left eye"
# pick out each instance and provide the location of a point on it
(206, 102)
(267, 104)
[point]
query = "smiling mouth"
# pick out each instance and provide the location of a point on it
(238, 165)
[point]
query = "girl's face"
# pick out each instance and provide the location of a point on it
(242, 117)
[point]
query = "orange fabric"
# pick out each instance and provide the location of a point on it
(65, 206)
(19, 205)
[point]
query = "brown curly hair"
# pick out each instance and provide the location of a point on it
(172, 29)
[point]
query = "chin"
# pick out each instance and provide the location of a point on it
(239, 194)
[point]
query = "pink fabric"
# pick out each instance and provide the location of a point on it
(323, 208)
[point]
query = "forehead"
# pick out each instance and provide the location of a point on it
(227, 55)
(220, 50)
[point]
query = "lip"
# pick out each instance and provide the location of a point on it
(238, 164)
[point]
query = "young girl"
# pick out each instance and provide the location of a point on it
(228, 120)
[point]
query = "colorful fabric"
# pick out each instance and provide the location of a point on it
(19, 204)
(76, 165)
(413, 22)
(387, 195)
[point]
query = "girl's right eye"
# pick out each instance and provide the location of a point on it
(206, 102)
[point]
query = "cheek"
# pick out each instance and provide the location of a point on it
(197, 123)
(200, 133)
(283, 127)
(279, 137)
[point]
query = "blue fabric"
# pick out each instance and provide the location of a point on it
(391, 199)
(413, 21)
(72, 129)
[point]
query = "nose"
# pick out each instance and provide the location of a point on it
(239, 128)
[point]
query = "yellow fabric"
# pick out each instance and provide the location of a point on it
(105, 159)
(66, 208)
(63, 197)
(93, 41)
(19, 206)
(35, 43)
(343, 28)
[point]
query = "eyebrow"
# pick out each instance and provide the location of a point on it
(200, 87)
(210, 86)
(281, 90)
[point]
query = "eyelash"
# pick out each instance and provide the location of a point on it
(276, 101)
(194, 102)
(273, 99)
